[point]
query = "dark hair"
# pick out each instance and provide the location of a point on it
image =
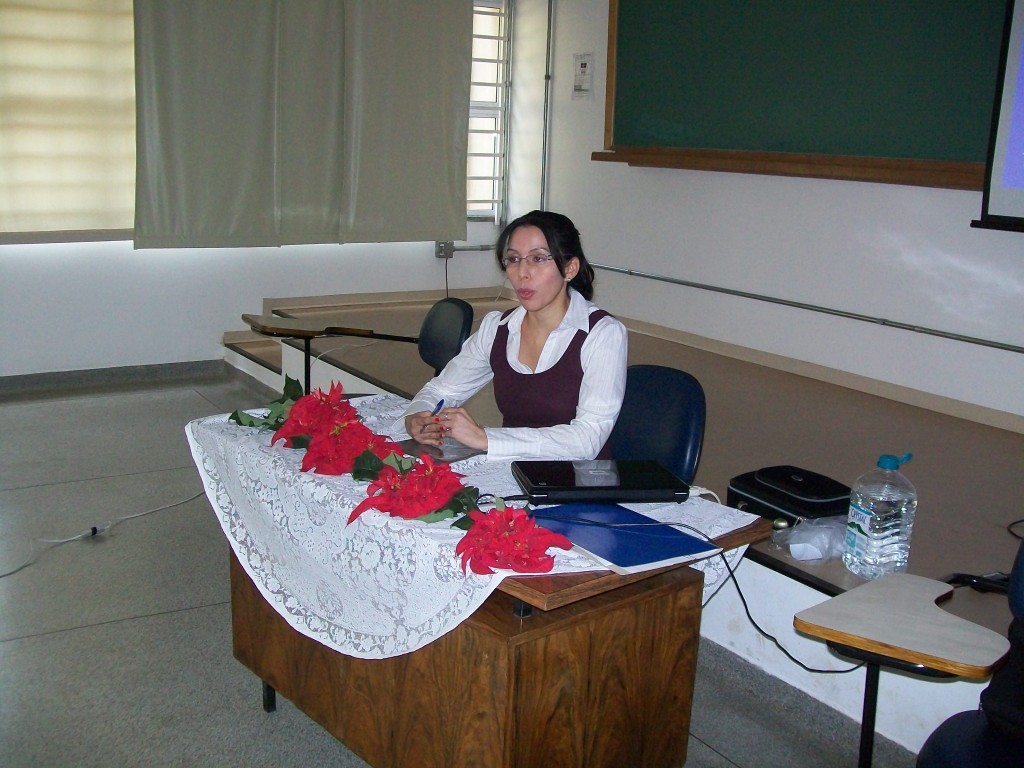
(563, 243)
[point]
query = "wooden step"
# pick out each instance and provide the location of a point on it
(262, 351)
(256, 356)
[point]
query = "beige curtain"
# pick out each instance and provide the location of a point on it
(265, 122)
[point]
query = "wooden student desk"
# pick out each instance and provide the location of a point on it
(308, 329)
(600, 675)
(895, 622)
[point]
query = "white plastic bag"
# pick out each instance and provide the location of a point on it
(821, 539)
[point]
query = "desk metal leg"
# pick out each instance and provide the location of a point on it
(873, 662)
(521, 609)
(307, 348)
(269, 697)
(867, 721)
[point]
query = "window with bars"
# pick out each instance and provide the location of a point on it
(486, 160)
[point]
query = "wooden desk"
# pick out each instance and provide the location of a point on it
(895, 622)
(603, 679)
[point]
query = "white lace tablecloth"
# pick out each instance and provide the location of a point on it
(381, 586)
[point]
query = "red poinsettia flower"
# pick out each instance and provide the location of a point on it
(334, 452)
(508, 538)
(337, 442)
(427, 487)
(317, 412)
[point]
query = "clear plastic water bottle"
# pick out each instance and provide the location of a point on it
(882, 507)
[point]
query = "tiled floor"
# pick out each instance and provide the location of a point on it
(116, 650)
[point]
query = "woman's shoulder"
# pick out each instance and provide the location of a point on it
(497, 316)
(491, 321)
(581, 309)
(602, 317)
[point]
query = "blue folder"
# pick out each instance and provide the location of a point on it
(621, 539)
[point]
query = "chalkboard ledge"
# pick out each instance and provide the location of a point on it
(921, 173)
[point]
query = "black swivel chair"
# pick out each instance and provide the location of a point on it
(993, 736)
(662, 418)
(443, 332)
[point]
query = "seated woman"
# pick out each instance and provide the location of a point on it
(557, 361)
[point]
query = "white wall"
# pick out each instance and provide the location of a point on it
(907, 254)
(97, 305)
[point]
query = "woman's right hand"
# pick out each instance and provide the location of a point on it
(424, 427)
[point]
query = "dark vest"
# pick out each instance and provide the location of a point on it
(540, 399)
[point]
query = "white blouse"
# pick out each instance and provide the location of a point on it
(603, 357)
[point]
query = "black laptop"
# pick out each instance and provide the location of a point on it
(634, 480)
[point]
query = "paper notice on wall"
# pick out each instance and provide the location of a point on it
(583, 76)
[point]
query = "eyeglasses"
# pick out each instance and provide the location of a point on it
(534, 259)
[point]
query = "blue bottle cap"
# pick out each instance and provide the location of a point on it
(888, 461)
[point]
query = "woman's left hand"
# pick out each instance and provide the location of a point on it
(458, 424)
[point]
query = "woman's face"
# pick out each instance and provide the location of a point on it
(538, 285)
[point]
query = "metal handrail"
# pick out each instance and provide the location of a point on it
(815, 308)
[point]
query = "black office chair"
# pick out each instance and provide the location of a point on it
(993, 736)
(443, 332)
(662, 418)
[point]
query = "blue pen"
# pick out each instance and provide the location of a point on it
(438, 407)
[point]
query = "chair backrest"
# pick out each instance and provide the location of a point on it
(662, 418)
(445, 327)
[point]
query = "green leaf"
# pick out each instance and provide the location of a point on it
(433, 517)
(277, 410)
(400, 462)
(459, 504)
(241, 418)
(463, 523)
(465, 500)
(292, 389)
(367, 467)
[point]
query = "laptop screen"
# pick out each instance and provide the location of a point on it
(553, 482)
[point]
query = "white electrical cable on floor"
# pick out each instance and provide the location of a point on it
(89, 533)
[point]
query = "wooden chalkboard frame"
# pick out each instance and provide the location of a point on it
(926, 173)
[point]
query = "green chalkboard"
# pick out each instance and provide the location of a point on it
(902, 81)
